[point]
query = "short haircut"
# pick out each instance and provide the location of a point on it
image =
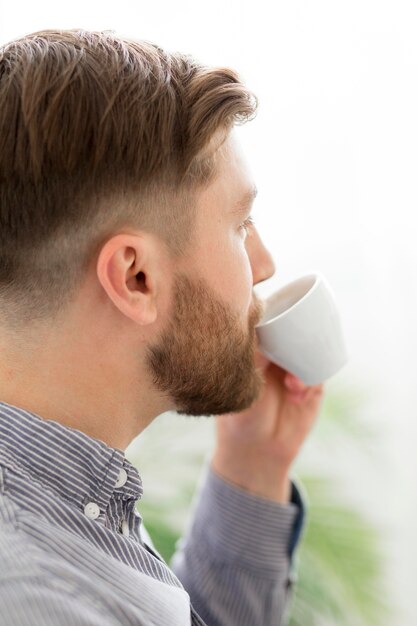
(97, 133)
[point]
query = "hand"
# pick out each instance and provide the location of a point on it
(256, 447)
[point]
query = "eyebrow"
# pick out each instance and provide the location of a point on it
(245, 201)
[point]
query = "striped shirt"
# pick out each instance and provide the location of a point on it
(74, 551)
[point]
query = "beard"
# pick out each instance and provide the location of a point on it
(204, 359)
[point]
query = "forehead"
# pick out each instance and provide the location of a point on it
(233, 184)
(234, 160)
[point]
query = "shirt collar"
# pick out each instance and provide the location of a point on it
(77, 467)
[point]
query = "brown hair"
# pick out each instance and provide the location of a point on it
(98, 133)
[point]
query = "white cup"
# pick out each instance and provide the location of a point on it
(301, 331)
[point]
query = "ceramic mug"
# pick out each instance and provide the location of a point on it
(301, 330)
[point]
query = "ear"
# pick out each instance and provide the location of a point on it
(126, 269)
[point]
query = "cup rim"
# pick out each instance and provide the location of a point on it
(318, 279)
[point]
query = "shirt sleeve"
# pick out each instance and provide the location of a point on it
(236, 558)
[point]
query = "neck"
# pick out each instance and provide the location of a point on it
(96, 385)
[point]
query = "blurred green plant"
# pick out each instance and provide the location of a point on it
(339, 562)
(339, 565)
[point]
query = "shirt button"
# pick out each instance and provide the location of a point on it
(92, 510)
(122, 478)
(125, 528)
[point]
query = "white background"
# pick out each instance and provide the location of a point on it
(333, 151)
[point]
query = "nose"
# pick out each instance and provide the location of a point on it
(262, 264)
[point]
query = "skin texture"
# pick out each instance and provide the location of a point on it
(148, 334)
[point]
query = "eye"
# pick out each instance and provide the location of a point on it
(247, 224)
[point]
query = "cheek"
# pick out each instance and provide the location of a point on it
(223, 261)
(239, 276)
(247, 278)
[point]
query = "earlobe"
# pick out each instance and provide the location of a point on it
(124, 272)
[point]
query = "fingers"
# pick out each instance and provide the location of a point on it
(293, 383)
(298, 390)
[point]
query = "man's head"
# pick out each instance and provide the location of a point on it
(99, 133)
(122, 212)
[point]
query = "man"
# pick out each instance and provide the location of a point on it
(127, 265)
